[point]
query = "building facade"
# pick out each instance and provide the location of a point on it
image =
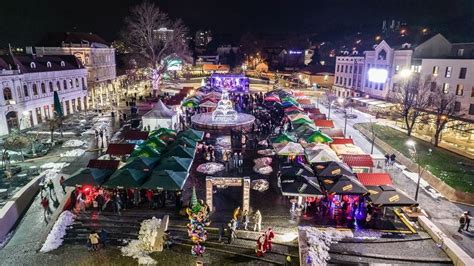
(94, 53)
(27, 85)
(348, 76)
(456, 76)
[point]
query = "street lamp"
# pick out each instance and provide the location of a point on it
(329, 109)
(414, 154)
(340, 100)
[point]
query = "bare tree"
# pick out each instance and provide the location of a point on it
(413, 98)
(151, 34)
(442, 106)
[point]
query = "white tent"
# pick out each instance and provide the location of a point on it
(160, 116)
(321, 155)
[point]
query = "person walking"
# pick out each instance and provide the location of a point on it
(392, 158)
(51, 187)
(269, 235)
(468, 220)
(241, 162)
(103, 236)
(94, 239)
(261, 247)
(221, 232)
(245, 219)
(462, 222)
(61, 182)
(257, 219)
(236, 214)
(45, 205)
(387, 159)
(231, 232)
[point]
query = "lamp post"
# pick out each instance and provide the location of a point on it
(340, 100)
(329, 109)
(415, 156)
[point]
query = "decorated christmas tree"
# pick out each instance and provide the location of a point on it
(198, 219)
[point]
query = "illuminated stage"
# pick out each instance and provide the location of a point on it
(229, 82)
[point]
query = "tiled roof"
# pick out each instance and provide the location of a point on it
(342, 141)
(58, 38)
(120, 149)
(24, 63)
(333, 132)
(136, 135)
(103, 164)
(324, 123)
(358, 160)
(374, 179)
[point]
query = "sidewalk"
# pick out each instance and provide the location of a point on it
(442, 212)
(26, 238)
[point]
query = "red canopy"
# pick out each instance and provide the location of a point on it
(135, 135)
(272, 99)
(120, 149)
(374, 179)
(292, 108)
(313, 110)
(324, 123)
(358, 160)
(342, 141)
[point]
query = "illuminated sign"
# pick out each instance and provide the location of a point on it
(346, 188)
(394, 198)
(378, 75)
(295, 52)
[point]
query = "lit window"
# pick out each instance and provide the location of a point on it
(32, 65)
(459, 90)
(460, 52)
(63, 64)
(448, 72)
(435, 70)
(48, 64)
(445, 88)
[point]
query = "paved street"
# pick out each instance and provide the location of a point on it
(26, 238)
(444, 213)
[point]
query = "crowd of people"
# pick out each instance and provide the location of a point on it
(115, 200)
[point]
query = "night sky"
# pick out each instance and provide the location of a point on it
(24, 22)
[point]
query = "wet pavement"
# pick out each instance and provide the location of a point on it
(274, 207)
(443, 213)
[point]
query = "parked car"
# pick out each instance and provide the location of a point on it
(350, 116)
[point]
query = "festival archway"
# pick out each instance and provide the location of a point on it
(243, 182)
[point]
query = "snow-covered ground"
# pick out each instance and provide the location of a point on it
(73, 153)
(141, 248)
(74, 143)
(55, 237)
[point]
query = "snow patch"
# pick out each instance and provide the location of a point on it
(55, 237)
(73, 143)
(73, 153)
(318, 242)
(141, 248)
(54, 166)
(5, 240)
